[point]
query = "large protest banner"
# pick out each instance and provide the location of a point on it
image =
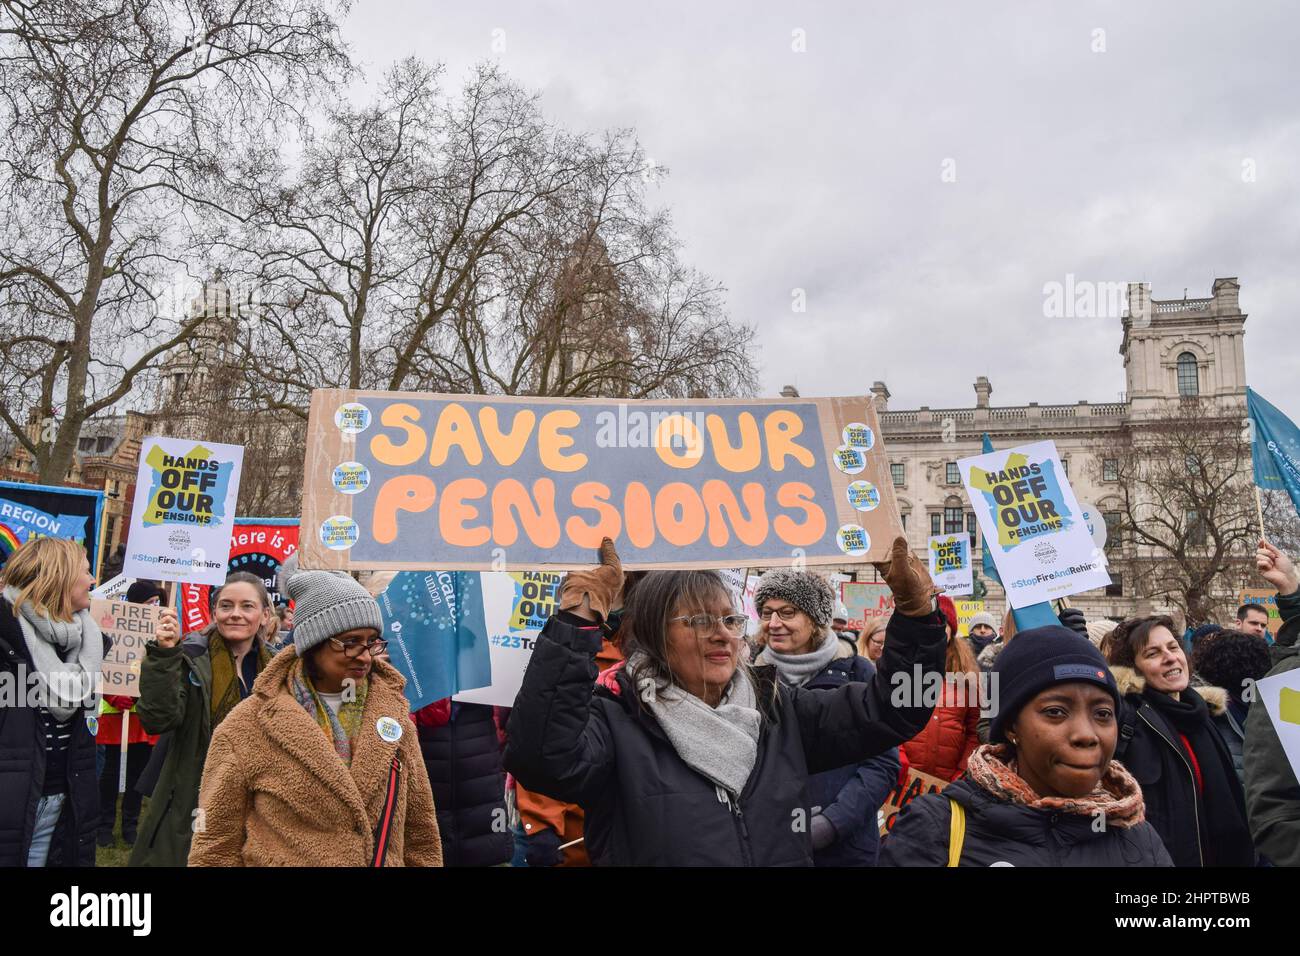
(258, 546)
(130, 627)
(916, 784)
(184, 510)
(951, 568)
(406, 481)
(866, 602)
(1032, 523)
(1267, 600)
(44, 511)
(516, 605)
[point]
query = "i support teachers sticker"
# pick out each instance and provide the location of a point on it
(389, 729)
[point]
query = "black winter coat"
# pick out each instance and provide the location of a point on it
(645, 806)
(1001, 833)
(463, 758)
(22, 768)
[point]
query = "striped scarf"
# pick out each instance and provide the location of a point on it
(342, 727)
(1117, 796)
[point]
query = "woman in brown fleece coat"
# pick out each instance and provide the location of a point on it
(320, 765)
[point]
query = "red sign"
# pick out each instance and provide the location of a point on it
(258, 547)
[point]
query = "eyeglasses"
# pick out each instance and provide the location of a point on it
(354, 647)
(733, 625)
(786, 613)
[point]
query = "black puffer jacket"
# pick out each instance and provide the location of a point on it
(1001, 833)
(463, 758)
(645, 806)
(22, 768)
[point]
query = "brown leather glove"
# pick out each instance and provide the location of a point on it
(909, 579)
(598, 589)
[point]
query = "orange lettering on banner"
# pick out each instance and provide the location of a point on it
(782, 427)
(506, 447)
(412, 493)
(638, 512)
(403, 416)
(593, 495)
(550, 443)
(540, 522)
(750, 452)
(719, 497)
(454, 510)
(455, 427)
(797, 494)
(690, 526)
(679, 426)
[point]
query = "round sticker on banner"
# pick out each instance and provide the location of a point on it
(339, 533)
(389, 729)
(351, 478)
(863, 495)
(92, 724)
(853, 539)
(352, 418)
(858, 435)
(850, 460)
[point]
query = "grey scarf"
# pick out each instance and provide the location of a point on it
(66, 655)
(719, 742)
(798, 669)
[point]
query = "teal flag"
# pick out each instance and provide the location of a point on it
(1274, 448)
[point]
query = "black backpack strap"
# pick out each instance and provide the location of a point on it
(1127, 728)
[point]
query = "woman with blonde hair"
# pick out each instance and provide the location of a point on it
(871, 642)
(51, 650)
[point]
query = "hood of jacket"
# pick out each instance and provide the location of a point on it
(1130, 681)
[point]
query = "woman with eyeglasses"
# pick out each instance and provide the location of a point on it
(685, 756)
(799, 641)
(321, 765)
(871, 644)
(188, 686)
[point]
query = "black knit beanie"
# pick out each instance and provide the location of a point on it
(1037, 659)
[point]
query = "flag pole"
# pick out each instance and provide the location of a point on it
(1259, 512)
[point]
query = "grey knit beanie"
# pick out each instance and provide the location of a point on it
(327, 604)
(985, 618)
(809, 592)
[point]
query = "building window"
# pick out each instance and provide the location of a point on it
(1065, 467)
(1114, 528)
(953, 516)
(1116, 586)
(972, 528)
(1110, 469)
(905, 517)
(1195, 528)
(1188, 385)
(898, 473)
(936, 524)
(85, 444)
(953, 476)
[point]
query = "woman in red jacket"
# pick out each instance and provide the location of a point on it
(943, 747)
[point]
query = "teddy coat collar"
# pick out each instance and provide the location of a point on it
(287, 724)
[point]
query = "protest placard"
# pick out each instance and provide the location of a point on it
(965, 611)
(184, 510)
(1280, 695)
(130, 627)
(405, 481)
(258, 546)
(45, 511)
(917, 783)
(114, 589)
(950, 563)
(1266, 599)
(1032, 524)
(516, 606)
(866, 602)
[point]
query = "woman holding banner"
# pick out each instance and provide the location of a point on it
(321, 766)
(684, 756)
(186, 690)
(1036, 794)
(49, 798)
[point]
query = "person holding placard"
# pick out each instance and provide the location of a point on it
(186, 690)
(691, 758)
(1168, 741)
(1036, 794)
(321, 765)
(49, 797)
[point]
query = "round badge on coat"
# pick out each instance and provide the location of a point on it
(389, 729)
(194, 679)
(92, 724)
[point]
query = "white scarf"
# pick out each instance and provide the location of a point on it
(719, 742)
(65, 654)
(798, 669)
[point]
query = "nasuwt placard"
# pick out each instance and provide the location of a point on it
(409, 481)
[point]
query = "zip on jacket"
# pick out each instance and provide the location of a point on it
(1196, 813)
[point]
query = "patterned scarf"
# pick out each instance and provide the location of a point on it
(1118, 795)
(340, 727)
(225, 684)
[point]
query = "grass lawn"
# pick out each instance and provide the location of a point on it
(119, 852)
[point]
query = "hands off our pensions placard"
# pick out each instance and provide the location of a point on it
(408, 481)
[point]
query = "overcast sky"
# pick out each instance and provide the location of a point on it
(823, 170)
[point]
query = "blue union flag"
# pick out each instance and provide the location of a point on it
(1275, 448)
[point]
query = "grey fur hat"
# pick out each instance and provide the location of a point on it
(806, 590)
(327, 604)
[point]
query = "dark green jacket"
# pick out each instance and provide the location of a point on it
(1272, 792)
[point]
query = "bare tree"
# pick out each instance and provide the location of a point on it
(1188, 516)
(121, 119)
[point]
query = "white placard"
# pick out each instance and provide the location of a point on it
(184, 510)
(1281, 697)
(1032, 524)
(950, 563)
